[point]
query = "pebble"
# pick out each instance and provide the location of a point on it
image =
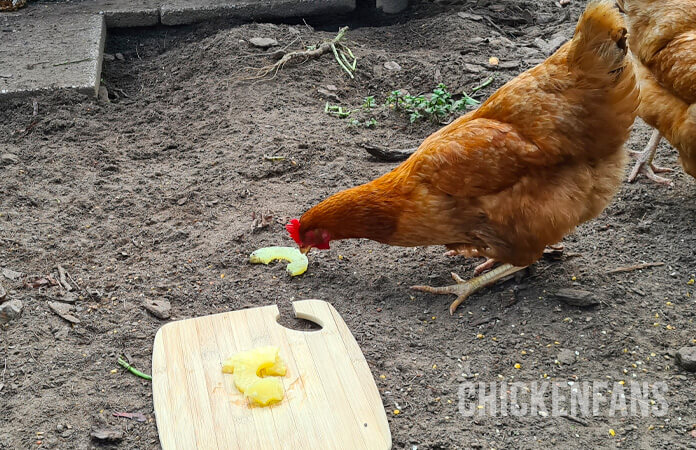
(553, 44)
(8, 158)
(158, 308)
(566, 356)
(262, 42)
(392, 65)
(472, 68)
(107, 434)
(577, 297)
(686, 358)
(10, 311)
(109, 57)
(510, 64)
(474, 17)
(328, 94)
(119, 56)
(3, 293)
(556, 42)
(63, 310)
(11, 274)
(103, 94)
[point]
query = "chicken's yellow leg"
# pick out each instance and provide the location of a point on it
(645, 162)
(464, 289)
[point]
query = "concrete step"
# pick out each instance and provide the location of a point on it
(178, 12)
(49, 54)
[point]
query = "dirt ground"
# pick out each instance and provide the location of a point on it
(154, 195)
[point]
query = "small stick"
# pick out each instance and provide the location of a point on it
(62, 278)
(75, 282)
(635, 267)
(133, 370)
(575, 419)
(71, 62)
(485, 320)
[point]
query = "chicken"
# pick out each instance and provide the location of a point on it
(662, 39)
(540, 156)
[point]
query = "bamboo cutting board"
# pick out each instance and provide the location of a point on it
(331, 400)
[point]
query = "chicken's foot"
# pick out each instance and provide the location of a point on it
(645, 164)
(552, 251)
(463, 289)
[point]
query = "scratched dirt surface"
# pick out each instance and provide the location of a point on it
(161, 193)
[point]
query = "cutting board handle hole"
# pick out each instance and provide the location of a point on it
(287, 320)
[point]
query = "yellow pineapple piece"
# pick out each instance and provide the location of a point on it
(249, 367)
(265, 391)
(298, 260)
(277, 369)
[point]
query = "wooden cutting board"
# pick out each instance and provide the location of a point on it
(331, 400)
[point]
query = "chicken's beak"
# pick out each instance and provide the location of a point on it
(304, 249)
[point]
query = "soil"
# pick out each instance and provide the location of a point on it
(155, 194)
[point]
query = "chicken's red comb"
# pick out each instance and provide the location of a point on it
(294, 229)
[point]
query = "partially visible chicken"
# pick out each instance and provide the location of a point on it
(662, 39)
(11, 5)
(540, 156)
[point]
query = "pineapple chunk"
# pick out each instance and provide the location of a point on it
(298, 260)
(265, 391)
(249, 367)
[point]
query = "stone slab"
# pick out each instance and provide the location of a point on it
(118, 13)
(133, 13)
(179, 12)
(52, 53)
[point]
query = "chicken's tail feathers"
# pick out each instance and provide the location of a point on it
(599, 42)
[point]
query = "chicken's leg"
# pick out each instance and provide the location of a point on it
(464, 289)
(645, 162)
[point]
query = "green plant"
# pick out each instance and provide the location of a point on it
(371, 123)
(369, 102)
(435, 106)
(341, 113)
(337, 111)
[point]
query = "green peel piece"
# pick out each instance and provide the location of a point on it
(298, 261)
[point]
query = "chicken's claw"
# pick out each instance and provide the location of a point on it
(490, 262)
(650, 170)
(464, 288)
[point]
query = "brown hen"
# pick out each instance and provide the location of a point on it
(540, 156)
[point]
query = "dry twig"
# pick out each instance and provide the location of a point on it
(635, 267)
(344, 56)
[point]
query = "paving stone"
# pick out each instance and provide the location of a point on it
(118, 13)
(51, 53)
(178, 12)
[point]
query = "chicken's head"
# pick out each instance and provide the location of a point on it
(308, 238)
